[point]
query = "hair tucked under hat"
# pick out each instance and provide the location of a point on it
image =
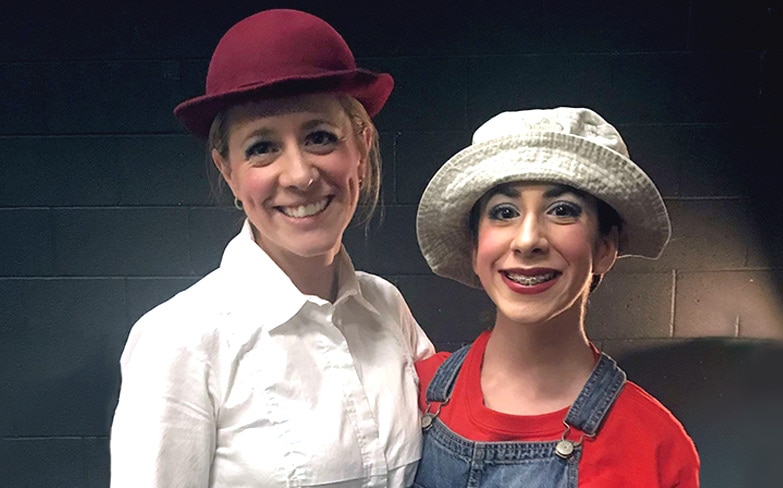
(567, 146)
(277, 53)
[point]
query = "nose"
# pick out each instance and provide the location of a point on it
(531, 238)
(297, 171)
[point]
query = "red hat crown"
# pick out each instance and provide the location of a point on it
(277, 53)
(276, 45)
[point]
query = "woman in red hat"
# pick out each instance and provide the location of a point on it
(284, 366)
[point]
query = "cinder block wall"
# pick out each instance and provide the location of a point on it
(105, 207)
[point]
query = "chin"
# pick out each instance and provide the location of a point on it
(317, 249)
(528, 319)
(531, 314)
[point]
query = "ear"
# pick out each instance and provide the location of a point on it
(473, 252)
(223, 166)
(605, 253)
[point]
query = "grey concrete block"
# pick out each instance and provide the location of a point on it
(449, 312)
(26, 242)
(121, 242)
(728, 304)
(62, 341)
(631, 305)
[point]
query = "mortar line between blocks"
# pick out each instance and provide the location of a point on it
(673, 303)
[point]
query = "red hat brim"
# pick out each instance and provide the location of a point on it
(369, 88)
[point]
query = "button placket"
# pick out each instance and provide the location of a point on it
(356, 394)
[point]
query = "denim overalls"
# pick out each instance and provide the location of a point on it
(449, 460)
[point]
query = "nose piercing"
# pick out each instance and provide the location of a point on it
(309, 183)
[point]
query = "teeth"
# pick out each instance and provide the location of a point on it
(303, 211)
(530, 280)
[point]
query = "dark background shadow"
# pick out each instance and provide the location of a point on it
(729, 395)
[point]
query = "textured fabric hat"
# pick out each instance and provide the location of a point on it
(568, 146)
(278, 53)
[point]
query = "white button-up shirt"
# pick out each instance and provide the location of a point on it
(243, 381)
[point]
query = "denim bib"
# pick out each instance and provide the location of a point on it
(451, 461)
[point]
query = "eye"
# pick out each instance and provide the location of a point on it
(565, 210)
(503, 212)
(322, 138)
(259, 148)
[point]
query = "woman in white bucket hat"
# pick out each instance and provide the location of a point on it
(535, 211)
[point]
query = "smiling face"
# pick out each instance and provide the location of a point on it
(537, 248)
(296, 165)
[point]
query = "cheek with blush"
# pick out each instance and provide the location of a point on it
(489, 247)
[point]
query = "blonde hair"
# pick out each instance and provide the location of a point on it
(370, 189)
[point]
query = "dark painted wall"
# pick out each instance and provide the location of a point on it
(105, 206)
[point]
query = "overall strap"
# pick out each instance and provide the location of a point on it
(442, 383)
(597, 396)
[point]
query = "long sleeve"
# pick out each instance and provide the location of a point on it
(163, 434)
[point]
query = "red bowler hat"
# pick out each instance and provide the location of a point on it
(278, 53)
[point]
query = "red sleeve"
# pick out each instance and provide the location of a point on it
(684, 474)
(677, 460)
(641, 444)
(426, 370)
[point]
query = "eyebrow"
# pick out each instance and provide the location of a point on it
(505, 189)
(308, 125)
(268, 131)
(559, 190)
(510, 190)
(261, 131)
(311, 124)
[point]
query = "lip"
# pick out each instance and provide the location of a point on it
(290, 211)
(530, 289)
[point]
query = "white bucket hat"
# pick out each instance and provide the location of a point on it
(567, 146)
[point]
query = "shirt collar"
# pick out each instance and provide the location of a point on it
(258, 283)
(348, 283)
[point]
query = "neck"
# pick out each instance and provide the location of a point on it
(312, 275)
(536, 368)
(544, 343)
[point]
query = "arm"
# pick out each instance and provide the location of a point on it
(163, 433)
(686, 460)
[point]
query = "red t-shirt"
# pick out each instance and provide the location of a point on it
(639, 445)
